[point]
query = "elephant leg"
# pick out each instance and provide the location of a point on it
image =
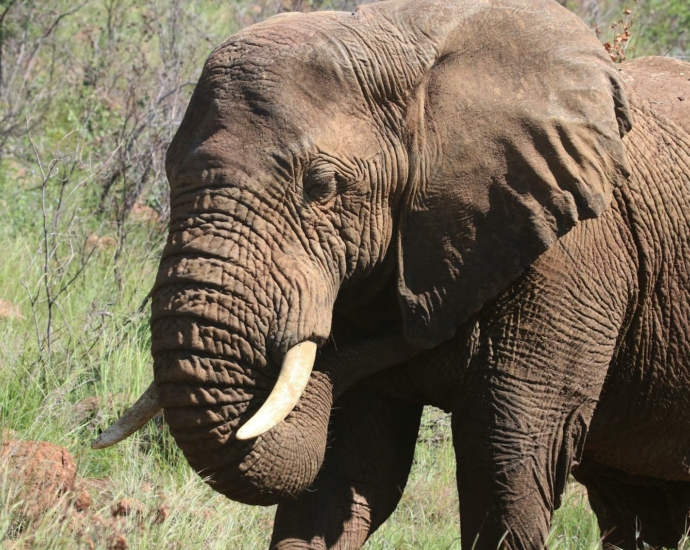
(512, 469)
(372, 441)
(520, 419)
(633, 515)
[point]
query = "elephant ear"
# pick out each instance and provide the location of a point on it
(514, 136)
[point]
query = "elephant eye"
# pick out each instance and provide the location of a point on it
(322, 183)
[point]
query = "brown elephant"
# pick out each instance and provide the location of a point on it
(460, 203)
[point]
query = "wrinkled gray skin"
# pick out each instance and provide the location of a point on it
(452, 190)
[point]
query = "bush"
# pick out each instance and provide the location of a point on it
(659, 27)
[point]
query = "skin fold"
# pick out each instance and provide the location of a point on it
(464, 204)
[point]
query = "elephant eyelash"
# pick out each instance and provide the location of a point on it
(324, 179)
(323, 184)
(325, 176)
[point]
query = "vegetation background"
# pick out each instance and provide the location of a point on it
(91, 93)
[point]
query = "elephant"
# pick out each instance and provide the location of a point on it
(458, 203)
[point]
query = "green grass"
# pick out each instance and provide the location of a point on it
(427, 516)
(41, 394)
(103, 94)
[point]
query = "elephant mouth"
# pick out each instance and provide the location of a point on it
(292, 381)
(295, 372)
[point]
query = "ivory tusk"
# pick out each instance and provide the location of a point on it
(294, 376)
(136, 416)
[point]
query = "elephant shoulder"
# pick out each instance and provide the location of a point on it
(660, 84)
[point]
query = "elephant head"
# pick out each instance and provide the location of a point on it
(428, 151)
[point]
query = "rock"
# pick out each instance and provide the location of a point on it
(118, 542)
(128, 507)
(104, 243)
(161, 514)
(98, 486)
(83, 501)
(90, 409)
(8, 310)
(86, 409)
(77, 522)
(39, 473)
(142, 213)
(93, 241)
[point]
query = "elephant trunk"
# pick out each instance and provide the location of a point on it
(226, 311)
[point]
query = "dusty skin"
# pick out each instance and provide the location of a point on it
(462, 203)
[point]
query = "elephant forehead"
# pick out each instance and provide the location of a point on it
(298, 58)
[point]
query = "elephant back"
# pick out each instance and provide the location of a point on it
(660, 85)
